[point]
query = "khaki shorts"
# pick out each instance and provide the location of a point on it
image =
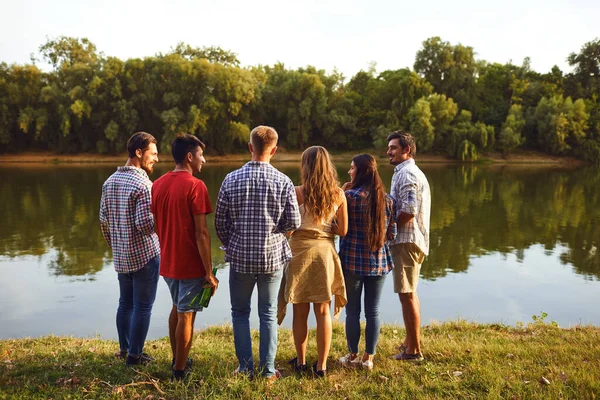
(407, 259)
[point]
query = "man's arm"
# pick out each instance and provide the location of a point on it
(407, 200)
(104, 219)
(290, 220)
(144, 221)
(203, 244)
(222, 217)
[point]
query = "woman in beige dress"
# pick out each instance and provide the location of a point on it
(314, 274)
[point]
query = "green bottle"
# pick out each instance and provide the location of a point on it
(206, 294)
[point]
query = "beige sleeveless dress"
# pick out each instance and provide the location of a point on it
(314, 274)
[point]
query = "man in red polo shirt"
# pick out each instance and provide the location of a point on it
(180, 204)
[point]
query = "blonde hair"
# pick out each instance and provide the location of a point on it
(320, 183)
(262, 138)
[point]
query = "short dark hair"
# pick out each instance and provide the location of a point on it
(139, 140)
(184, 143)
(405, 139)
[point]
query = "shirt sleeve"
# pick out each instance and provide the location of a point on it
(407, 194)
(222, 216)
(104, 219)
(200, 201)
(144, 222)
(290, 219)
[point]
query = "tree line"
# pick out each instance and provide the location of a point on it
(453, 103)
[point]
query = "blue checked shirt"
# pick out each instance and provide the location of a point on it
(256, 206)
(410, 190)
(126, 221)
(355, 253)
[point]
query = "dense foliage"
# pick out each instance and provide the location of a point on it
(453, 103)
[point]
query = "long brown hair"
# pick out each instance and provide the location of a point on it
(320, 183)
(368, 179)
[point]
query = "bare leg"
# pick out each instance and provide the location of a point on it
(184, 335)
(411, 312)
(172, 329)
(300, 329)
(323, 316)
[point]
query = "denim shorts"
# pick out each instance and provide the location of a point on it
(183, 291)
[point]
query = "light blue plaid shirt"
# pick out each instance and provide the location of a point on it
(126, 221)
(410, 190)
(256, 206)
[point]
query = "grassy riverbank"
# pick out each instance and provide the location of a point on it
(463, 360)
(517, 157)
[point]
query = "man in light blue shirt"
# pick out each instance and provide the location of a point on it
(411, 192)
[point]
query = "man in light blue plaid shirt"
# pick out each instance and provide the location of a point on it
(411, 192)
(128, 227)
(256, 206)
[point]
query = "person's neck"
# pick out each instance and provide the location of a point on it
(133, 162)
(183, 168)
(403, 161)
(266, 158)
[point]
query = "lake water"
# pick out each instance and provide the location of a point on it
(507, 242)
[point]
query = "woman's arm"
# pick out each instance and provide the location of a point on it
(339, 226)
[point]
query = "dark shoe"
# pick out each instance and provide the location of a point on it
(188, 363)
(318, 373)
(300, 369)
(121, 354)
(179, 375)
(398, 356)
(142, 359)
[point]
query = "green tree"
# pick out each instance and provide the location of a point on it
(419, 117)
(450, 69)
(443, 112)
(560, 123)
(586, 76)
(213, 54)
(510, 135)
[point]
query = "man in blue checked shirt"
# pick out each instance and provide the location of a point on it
(256, 206)
(128, 227)
(411, 192)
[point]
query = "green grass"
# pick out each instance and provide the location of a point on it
(463, 360)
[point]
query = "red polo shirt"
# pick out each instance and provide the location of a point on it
(176, 198)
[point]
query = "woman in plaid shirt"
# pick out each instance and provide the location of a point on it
(365, 256)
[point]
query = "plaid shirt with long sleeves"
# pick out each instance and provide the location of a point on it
(256, 206)
(126, 221)
(355, 254)
(410, 190)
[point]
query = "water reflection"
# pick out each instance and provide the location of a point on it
(476, 211)
(504, 241)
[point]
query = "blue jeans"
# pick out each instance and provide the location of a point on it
(138, 291)
(373, 286)
(240, 292)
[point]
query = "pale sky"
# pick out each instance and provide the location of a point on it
(342, 34)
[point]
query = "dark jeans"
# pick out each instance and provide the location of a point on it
(373, 286)
(138, 291)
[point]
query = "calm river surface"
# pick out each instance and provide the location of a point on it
(507, 242)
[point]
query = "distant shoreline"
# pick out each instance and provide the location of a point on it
(522, 157)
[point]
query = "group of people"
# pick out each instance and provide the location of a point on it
(277, 237)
